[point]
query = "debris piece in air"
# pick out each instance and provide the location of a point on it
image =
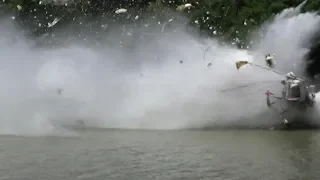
(54, 22)
(80, 122)
(209, 65)
(183, 7)
(19, 7)
(239, 64)
(104, 26)
(181, 62)
(120, 11)
(59, 91)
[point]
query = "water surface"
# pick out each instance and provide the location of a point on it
(139, 155)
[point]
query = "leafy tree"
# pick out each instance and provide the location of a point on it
(230, 20)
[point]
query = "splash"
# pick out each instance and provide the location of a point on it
(288, 36)
(148, 79)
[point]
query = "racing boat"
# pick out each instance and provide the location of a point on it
(296, 101)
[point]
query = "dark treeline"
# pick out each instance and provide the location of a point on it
(227, 19)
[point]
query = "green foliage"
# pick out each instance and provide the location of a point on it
(226, 19)
(232, 19)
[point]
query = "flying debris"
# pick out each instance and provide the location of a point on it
(183, 7)
(19, 7)
(270, 61)
(120, 11)
(239, 64)
(54, 22)
(59, 91)
(248, 85)
(296, 98)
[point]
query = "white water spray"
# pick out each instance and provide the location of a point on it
(147, 88)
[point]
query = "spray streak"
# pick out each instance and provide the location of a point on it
(145, 87)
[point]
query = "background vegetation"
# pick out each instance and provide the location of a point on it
(226, 19)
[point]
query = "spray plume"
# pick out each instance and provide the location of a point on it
(139, 82)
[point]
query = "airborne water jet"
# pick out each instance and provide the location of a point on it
(102, 84)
